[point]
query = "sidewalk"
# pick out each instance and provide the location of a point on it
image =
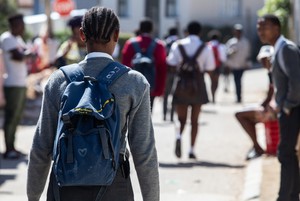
(263, 176)
(261, 182)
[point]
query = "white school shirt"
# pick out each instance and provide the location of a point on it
(16, 70)
(191, 43)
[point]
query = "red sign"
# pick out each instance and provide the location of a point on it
(63, 7)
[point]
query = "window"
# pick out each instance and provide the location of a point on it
(123, 8)
(232, 8)
(171, 8)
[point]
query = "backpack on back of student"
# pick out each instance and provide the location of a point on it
(88, 138)
(143, 61)
(189, 84)
(215, 48)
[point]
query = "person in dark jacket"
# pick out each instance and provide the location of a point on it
(286, 74)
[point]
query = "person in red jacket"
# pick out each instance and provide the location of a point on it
(144, 39)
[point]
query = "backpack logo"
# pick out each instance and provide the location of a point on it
(82, 152)
(87, 143)
(143, 62)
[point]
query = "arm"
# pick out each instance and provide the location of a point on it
(142, 145)
(268, 99)
(41, 151)
(127, 54)
(292, 70)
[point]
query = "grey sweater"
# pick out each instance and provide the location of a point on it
(132, 95)
(286, 74)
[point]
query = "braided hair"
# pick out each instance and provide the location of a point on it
(99, 23)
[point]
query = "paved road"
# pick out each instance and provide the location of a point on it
(219, 174)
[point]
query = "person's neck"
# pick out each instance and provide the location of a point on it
(274, 40)
(96, 47)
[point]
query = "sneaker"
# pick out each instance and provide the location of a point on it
(252, 153)
(178, 148)
(192, 156)
(13, 154)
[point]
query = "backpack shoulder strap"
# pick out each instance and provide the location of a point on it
(72, 72)
(151, 48)
(112, 72)
(136, 46)
(198, 52)
(183, 53)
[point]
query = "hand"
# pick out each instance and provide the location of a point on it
(286, 111)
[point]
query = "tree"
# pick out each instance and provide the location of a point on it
(280, 8)
(7, 7)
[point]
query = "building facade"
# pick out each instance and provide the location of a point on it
(169, 13)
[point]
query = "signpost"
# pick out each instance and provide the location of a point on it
(63, 7)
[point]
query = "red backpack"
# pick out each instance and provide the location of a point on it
(216, 54)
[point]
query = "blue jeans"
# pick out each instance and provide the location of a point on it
(289, 176)
(237, 75)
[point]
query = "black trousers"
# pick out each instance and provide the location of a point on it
(289, 176)
(120, 190)
(237, 75)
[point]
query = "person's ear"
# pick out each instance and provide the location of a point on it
(116, 35)
(82, 35)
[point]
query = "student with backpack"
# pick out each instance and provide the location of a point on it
(219, 50)
(147, 55)
(89, 111)
(191, 58)
(170, 39)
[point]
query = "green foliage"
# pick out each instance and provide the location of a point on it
(280, 8)
(7, 7)
(62, 36)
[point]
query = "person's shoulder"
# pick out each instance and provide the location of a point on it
(6, 36)
(290, 46)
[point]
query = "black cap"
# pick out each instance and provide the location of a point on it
(16, 16)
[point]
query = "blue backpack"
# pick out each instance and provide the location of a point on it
(88, 139)
(143, 61)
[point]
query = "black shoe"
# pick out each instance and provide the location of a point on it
(192, 156)
(252, 153)
(178, 148)
(13, 155)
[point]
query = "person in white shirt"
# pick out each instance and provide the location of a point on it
(206, 63)
(238, 51)
(14, 55)
(219, 50)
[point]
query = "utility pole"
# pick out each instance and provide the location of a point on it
(48, 14)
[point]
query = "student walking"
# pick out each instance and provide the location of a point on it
(100, 32)
(170, 39)
(219, 50)
(147, 44)
(238, 51)
(184, 52)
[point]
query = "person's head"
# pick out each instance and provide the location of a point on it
(173, 31)
(268, 29)
(100, 29)
(75, 23)
(264, 56)
(16, 24)
(214, 35)
(238, 30)
(194, 28)
(146, 26)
